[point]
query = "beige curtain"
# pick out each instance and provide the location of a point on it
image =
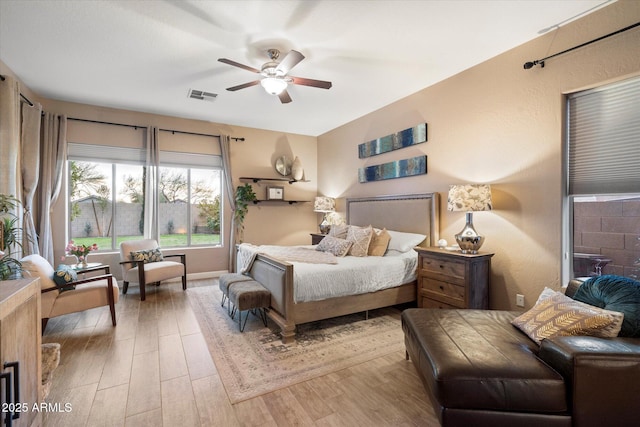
(225, 149)
(151, 180)
(53, 154)
(9, 136)
(30, 163)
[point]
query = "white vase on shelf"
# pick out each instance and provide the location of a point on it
(297, 172)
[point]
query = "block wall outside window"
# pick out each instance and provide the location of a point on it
(609, 230)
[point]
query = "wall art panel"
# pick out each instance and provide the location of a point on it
(404, 138)
(397, 169)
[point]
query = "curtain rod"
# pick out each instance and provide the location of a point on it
(531, 64)
(144, 127)
(21, 95)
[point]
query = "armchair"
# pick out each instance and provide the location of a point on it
(80, 295)
(142, 262)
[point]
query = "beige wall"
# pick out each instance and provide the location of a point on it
(500, 124)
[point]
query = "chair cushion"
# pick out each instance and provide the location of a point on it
(157, 271)
(614, 293)
(36, 266)
(83, 297)
(475, 359)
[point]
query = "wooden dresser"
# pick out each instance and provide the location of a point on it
(20, 339)
(450, 279)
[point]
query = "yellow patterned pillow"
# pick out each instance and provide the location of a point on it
(560, 315)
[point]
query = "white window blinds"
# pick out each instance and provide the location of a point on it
(604, 139)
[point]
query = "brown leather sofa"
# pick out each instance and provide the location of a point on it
(479, 370)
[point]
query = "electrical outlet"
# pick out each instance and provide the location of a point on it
(520, 300)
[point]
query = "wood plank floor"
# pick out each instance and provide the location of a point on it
(154, 369)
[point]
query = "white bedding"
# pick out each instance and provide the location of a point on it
(353, 275)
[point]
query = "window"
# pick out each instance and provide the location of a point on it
(106, 198)
(189, 206)
(602, 205)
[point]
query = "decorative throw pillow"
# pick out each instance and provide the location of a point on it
(339, 231)
(615, 293)
(546, 293)
(334, 245)
(36, 266)
(150, 255)
(404, 242)
(63, 275)
(360, 237)
(560, 315)
(379, 242)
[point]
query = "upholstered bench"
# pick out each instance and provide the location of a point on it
(225, 281)
(249, 295)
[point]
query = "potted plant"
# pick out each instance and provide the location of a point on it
(10, 233)
(244, 196)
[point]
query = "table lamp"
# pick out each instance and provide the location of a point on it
(324, 204)
(469, 198)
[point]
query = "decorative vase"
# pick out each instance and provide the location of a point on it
(296, 169)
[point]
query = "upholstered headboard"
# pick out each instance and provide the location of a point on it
(412, 213)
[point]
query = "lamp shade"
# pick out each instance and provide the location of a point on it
(469, 198)
(324, 204)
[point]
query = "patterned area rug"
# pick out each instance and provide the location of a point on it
(256, 362)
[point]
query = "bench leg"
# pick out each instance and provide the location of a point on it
(240, 324)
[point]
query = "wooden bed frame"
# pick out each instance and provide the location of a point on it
(416, 213)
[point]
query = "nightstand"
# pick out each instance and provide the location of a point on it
(448, 279)
(316, 238)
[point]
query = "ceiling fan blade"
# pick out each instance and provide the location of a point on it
(239, 65)
(311, 82)
(291, 60)
(284, 97)
(242, 86)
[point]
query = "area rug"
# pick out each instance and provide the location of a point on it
(256, 361)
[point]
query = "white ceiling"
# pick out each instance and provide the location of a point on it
(146, 55)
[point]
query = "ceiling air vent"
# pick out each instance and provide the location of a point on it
(202, 95)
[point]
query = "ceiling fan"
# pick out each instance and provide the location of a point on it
(275, 75)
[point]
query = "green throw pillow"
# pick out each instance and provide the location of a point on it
(615, 293)
(63, 275)
(150, 255)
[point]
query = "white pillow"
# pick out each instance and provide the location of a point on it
(404, 242)
(36, 266)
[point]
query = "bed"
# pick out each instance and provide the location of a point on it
(413, 213)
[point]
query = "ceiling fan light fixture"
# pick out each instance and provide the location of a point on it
(273, 85)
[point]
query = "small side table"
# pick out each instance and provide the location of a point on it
(449, 279)
(316, 238)
(91, 266)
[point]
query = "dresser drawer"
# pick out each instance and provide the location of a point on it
(449, 268)
(443, 291)
(431, 303)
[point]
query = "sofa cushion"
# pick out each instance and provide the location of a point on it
(559, 315)
(614, 293)
(475, 359)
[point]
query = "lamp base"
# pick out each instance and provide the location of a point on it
(468, 239)
(324, 226)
